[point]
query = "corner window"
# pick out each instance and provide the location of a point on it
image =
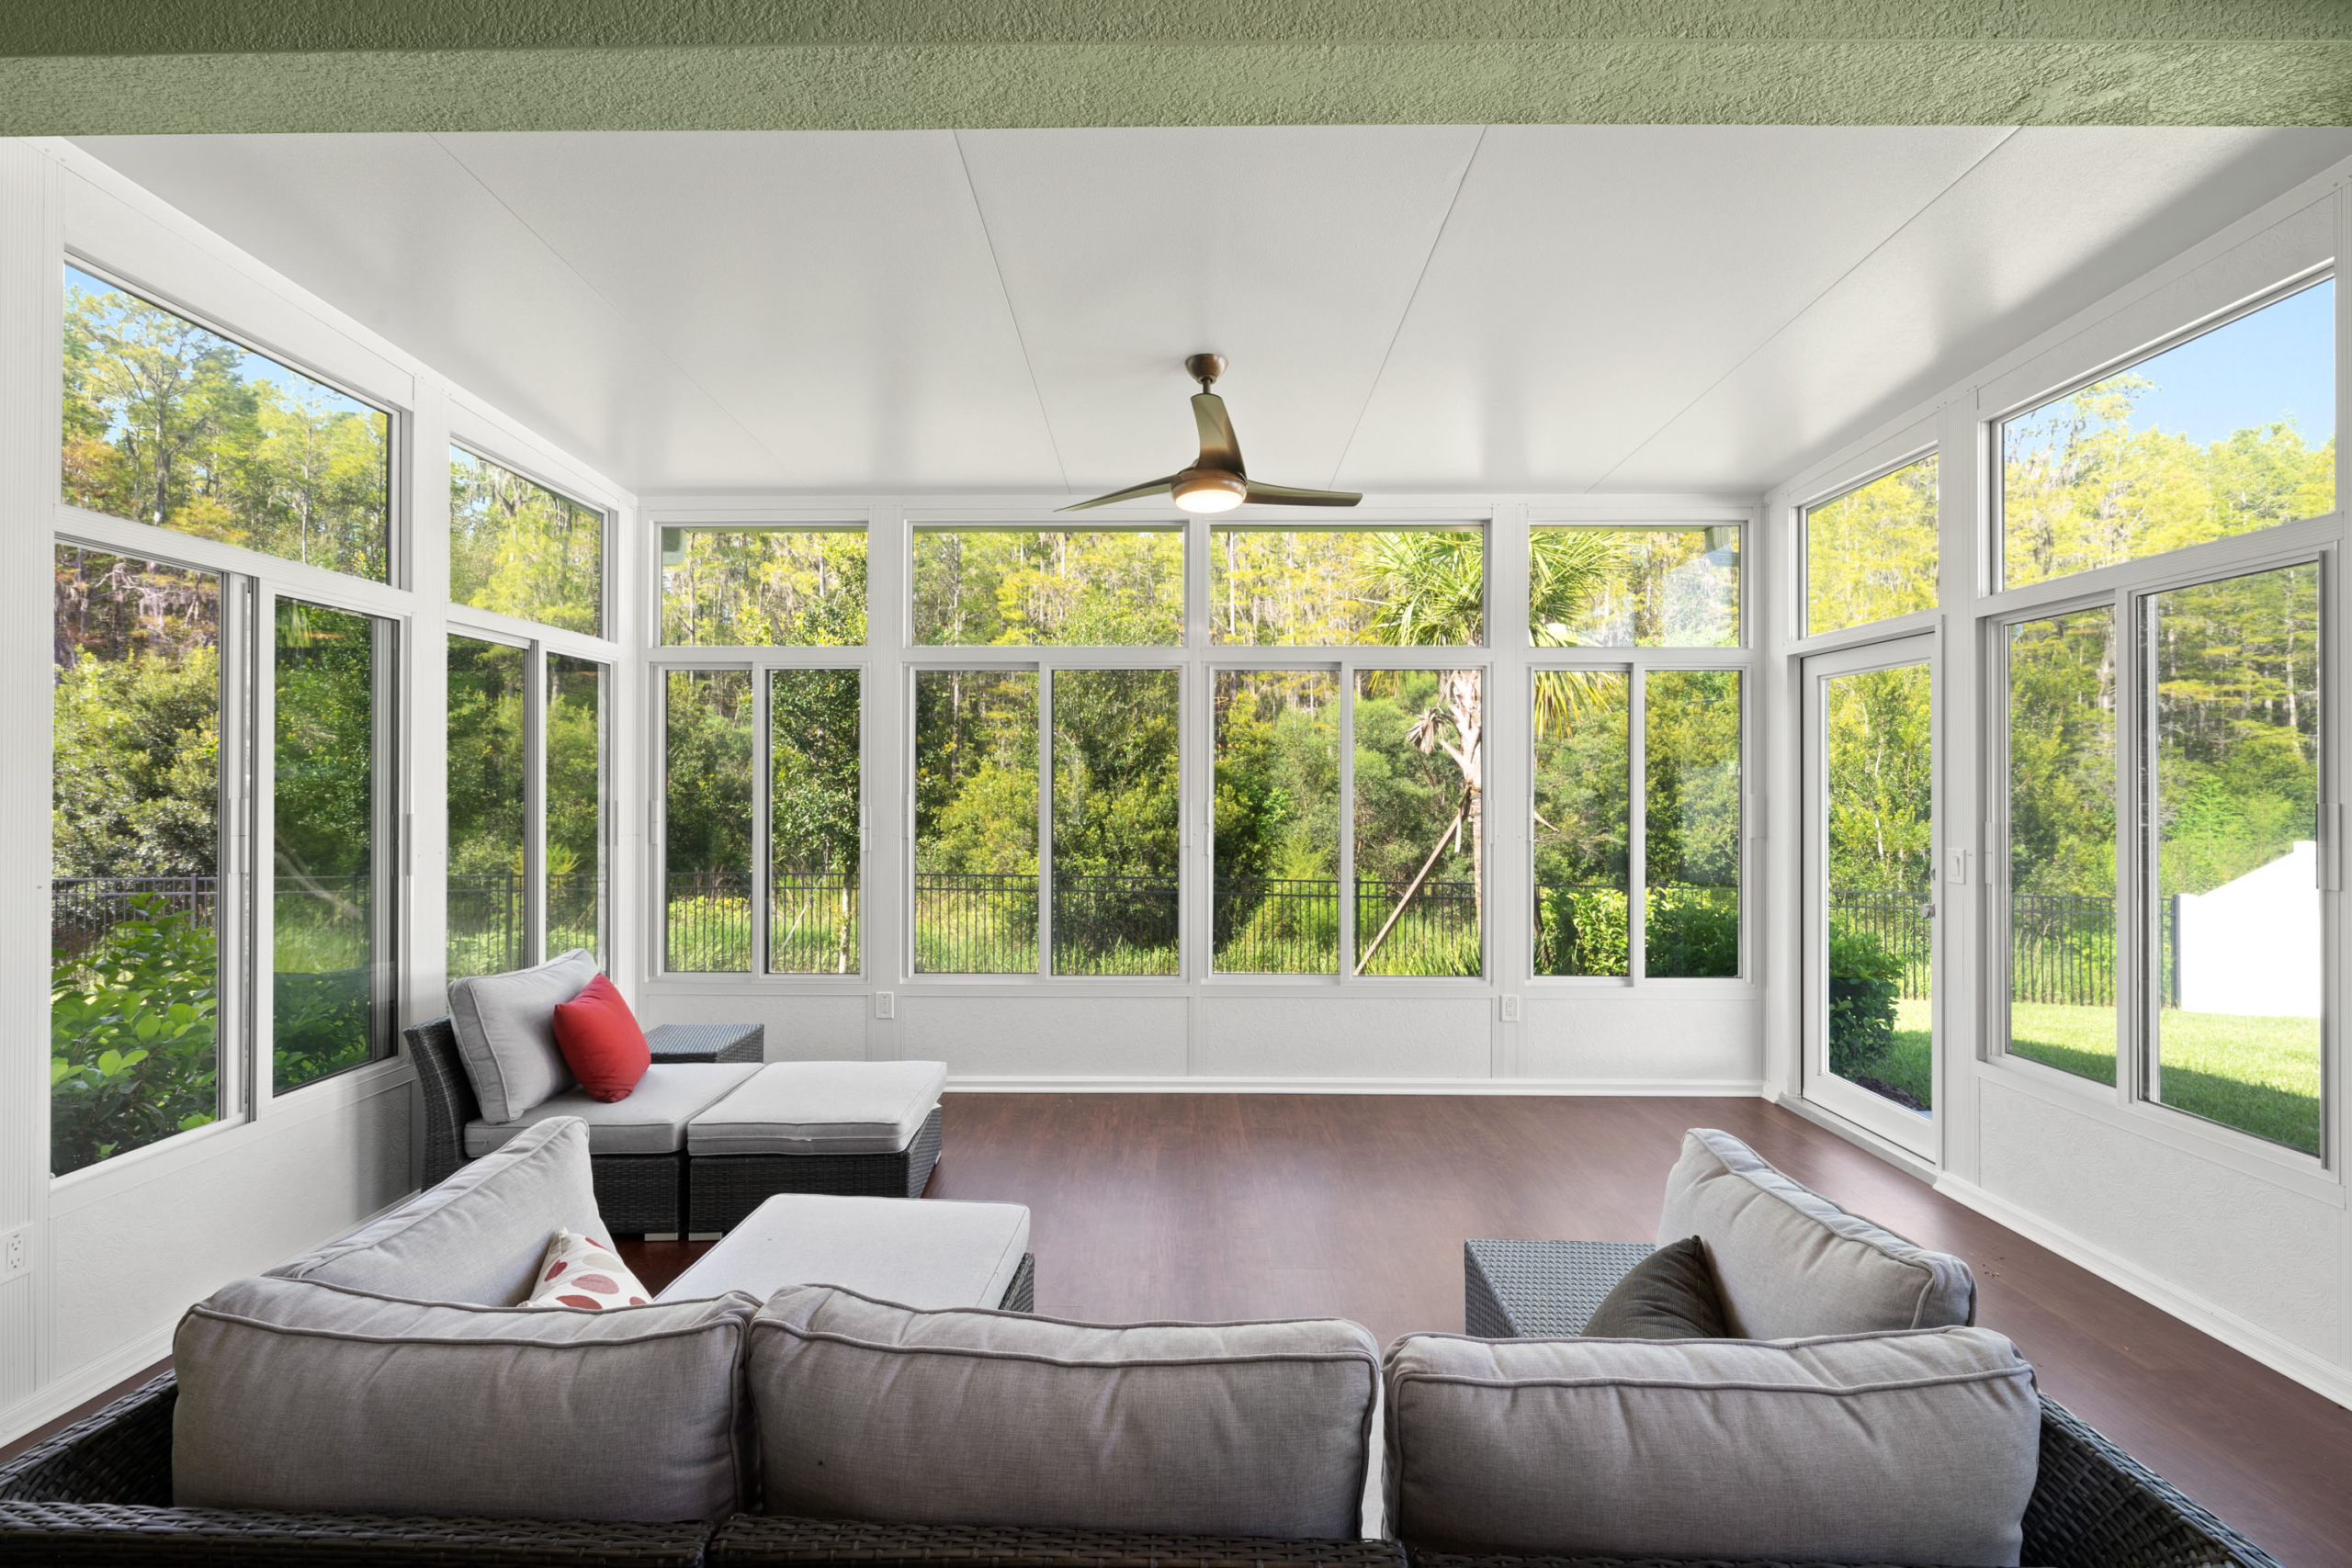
(2230, 432)
(1871, 553)
(523, 550)
(169, 423)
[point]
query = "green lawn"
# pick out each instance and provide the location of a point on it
(2260, 1075)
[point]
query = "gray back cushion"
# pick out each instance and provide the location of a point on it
(478, 1236)
(294, 1394)
(506, 1029)
(873, 1411)
(1789, 1262)
(1914, 1447)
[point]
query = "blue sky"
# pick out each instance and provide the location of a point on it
(2275, 363)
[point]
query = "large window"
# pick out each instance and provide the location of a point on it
(576, 709)
(1276, 867)
(1633, 585)
(816, 839)
(169, 423)
(136, 961)
(761, 586)
(976, 822)
(1871, 553)
(523, 550)
(330, 836)
(706, 820)
(1277, 587)
(1582, 822)
(1100, 588)
(487, 888)
(2230, 432)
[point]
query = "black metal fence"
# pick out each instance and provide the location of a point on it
(1275, 925)
(1900, 922)
(82, 909)
(2062, 945)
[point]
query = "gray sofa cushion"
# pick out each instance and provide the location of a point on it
(479, 1236)
(1914, 1447)
(1789, 1262)
(871, 1411)
(936, 1253)
(506, 1029)
(651, 1119)
(294, 1394)
(822, 1108)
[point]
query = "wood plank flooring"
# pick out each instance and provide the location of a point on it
(1227, 1206)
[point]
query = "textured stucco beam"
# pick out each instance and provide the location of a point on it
(969, 85)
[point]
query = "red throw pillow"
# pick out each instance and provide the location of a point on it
(601, 1041)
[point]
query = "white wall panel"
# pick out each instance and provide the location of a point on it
(1021, 1037)
(1345, 1036)
(127, 1260)
(800, 1028)
(2251, 1246)
(1643, 1039)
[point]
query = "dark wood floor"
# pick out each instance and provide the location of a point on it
(1222, 1206)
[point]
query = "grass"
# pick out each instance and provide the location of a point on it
(2259, 1074)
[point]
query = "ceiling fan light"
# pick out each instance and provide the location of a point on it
(1209, 489)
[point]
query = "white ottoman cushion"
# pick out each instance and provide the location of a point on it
(821, 1107)
(934, 1253)
(651, 1120)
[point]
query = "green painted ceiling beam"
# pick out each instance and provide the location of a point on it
(150, 66)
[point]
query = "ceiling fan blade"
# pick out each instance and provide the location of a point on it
(1151, 486)
(1220, 448)
(1283, 495)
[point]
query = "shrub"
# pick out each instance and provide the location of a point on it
(1864, 980)
(133, 1037)
(1692, 931)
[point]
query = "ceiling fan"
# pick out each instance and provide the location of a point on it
(1216, 481)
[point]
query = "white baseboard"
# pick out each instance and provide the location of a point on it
(86, 1382)
(2288, 1359)
(1697, 1089)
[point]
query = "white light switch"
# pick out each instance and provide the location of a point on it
(1510, 1009)
(1955, 865)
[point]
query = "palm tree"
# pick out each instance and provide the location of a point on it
(1427, 589)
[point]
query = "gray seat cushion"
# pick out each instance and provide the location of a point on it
(650, 1121)
(506, 1029)
(822, 1108)
(294, 1394)
(1920, 1447)
(1789, 1262)
(936, 1253)
(871, 1411)
(477, 1237)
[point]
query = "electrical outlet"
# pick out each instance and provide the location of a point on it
(13, 1254)
(1510, 1009)
(885, 1005)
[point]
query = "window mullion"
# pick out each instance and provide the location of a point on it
(1637, 863)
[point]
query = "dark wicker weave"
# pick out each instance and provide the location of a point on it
(763, 1538)
(636, 1193)
(101, 1491)
(2093, 1505)
(722, 1189)
(708, 1042)
(1021, 1294)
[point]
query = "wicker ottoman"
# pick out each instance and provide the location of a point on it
(708, 1042)
(939, 1253)
(850, 1129)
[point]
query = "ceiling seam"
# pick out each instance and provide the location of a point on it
(987, 237)
(1806, 308)
(1406, 314)
(643, 335)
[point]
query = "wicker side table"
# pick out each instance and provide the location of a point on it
(708, 1042)
(1539, 1290)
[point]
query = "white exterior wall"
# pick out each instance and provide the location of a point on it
(2252, 946)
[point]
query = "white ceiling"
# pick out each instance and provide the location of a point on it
(1517, 309)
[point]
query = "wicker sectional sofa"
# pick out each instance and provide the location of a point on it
(871, 1431)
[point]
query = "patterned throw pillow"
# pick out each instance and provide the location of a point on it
(580, 1271)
